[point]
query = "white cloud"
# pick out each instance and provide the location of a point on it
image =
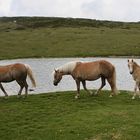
(64, 8)
(5, 7)
(122, 10)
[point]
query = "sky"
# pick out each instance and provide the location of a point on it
(114, 10)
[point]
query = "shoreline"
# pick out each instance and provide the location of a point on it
(134, 57)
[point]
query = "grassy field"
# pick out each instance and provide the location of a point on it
(42, 38)
(58, 116)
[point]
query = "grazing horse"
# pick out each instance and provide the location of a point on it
(134, 69)
(16, 72)
(82, 71)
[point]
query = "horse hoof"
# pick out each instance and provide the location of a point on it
(6, 97)
(110, 96)
(18, 96)
(118, 92)
(76, 97)
(24, 96)
(90, 92)
(133, 98)
(96, 94)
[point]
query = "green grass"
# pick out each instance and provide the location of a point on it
(69, 42)
(58, 116)
(74, 40)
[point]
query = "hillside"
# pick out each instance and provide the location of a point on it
(36, 22)
(24, 37)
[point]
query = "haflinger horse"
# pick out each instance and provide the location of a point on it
(82, 71)
(16, 72)
(134, 69)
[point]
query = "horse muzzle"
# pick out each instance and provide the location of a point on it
(55, 84)
(131, 72)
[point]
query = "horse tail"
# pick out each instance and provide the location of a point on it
(30, 74)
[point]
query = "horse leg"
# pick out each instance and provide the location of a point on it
(21, 87)
(3, 90)
(112, 85)
(85, 88)
(26, 88)
(102, 85)
(78, 89)
(139, 89)
(135, 90)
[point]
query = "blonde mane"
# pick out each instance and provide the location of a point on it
(135, 64)
(68, 67)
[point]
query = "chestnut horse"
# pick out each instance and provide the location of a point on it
(82, 71)
(134, 69)
(16, 72)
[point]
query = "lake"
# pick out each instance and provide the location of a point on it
(43, 68)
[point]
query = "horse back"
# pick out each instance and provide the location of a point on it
(18, 69)
(86, 71)
(93, 70)
(12, 72)
(106, 68)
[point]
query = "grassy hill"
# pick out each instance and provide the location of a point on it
(59, 116)
(23, 37)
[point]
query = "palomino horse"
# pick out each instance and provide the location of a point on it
(82, 71)
(134, 69)
(16, 72)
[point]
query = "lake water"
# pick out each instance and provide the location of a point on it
(43, 68)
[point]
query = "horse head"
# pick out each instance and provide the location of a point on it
(131, 66)
(57, 77)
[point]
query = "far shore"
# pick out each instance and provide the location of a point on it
(133, 57)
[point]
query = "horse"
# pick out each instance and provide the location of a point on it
(134, 70)
(16, 72)
(82, 71)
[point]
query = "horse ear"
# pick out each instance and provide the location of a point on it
(55, 70)
(128, 60)
(132, 60)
